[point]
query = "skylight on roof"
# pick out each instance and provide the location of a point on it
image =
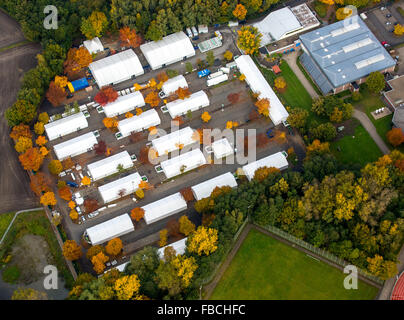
(357, 45)
(366, 62)
(345, 29)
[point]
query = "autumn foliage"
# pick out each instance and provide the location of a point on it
(65, 193)
(40, 183)
(249, 40)
(71, 250)
(152, 99)
(137, 214)
(48, 199)
(110, 123)
(263, 107)
(206, 116)
(129, 37)
(186, 226)
(114, 247)
(55, 94)
(106, 95)
(187, 194)
(31, 159)
(240, 12)
(55, 167)
(395, 136)
(90, 205)
(183, 93)
(21, 130)
(99, 261)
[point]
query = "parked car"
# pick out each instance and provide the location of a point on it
(203, 73)
(189, 32)
(194, 31)
(388, 15)
(72, 184)
(269, 134)
(78, 210)
(388, 23)
(382, 8)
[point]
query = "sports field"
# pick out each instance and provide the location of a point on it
(265, 268)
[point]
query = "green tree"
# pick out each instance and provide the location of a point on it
(375, 82)
(94, 25)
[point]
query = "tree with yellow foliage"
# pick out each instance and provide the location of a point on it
(163, 237)
(55, 167)
(86, 181)
(110, 123)
(249, 40)
(48, 199)
(203, 241)
(43, 151)
(329, 2)
(228, 55)
(206, 116)
(152, 99)
(99, 261)
(139, 193)
(242, 77)
(343, 13)
(240, 12)
(114, 247)
(139, 111)
(186, 226)
(316, 147)
(280, 83)
(398, 30)
(263, 107)
(23, 144)
(71, 250)
(72, 205)
(39, 128)
(61, 81)
(73, 215)
(127, 287)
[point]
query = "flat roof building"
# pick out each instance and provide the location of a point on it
(395, 96)
(277, 160)
(76, 146)
(194, 102)
(172, 48)
(222, 148)
(175, 140)
(164, 208)
(138, 123)
(341, 55)
(65, 126)
(117, 68)
(108, 166)
(205, 189)
(120, 188)
(93, 45)
(124, 104)
(183, 163)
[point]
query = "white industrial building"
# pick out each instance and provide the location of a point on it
(164, 208)
(124, 104)
(205, 189)
(194, 102)
(117, 68)
(171, 85)
(222, 148)
(124, 186)
(277, 160)
(108, 230)
(179, 247)
(93, 45)
(108, 166)
(172, 48)
(259, 85)
(76, 146)
(183, 163)
(138, 123)
(172, 141)
(64, 126)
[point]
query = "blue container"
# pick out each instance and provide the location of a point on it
(80, 84)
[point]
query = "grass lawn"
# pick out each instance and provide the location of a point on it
(265, 268)
(361, 149)
(5, 219)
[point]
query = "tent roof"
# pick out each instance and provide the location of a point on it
(110, 191)
(116, 68)
(191, 159)
(179, 247)
(108, 166)
(145, 120)
(204, 189)
(93, 45)
(124, 104)
(171, 85)
(179, 107)
(276, 160)
(170, 142)
(66, 125)
(164, 207)
(75, 146)
(167, 50)
(222, 148)
(109, 229)
(258, 84)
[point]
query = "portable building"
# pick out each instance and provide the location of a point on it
(183, 163)
(217, 80)
(172, 48)
(222, 148)
(204, 189)
(179, 247)
(93, 45)
(203, 28)
(119, 188)
(172, 85)
(76, 146)
(106, 167)
(173, 141)
(277, 160)
(109, 229)
(143, 121)
(164, 208)
(78, 85)
(64, 126)
(194, 102)
(124, 104)
(117, 68)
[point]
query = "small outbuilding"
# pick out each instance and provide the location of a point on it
(164, 208)
(94, 45)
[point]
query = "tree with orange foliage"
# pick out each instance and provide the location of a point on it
(262, 173)
(129, 37)
(48, 199)
(206, 116)
(71, 67)
(114, 247)
(41, 141)
(316, 148)
(263, 107)
(110, 123)
(137, 214)
(55, 94)
(71, 250)
(67, 163)
(183, 93)
(106, 95)
(40, 183)
(187, 194)
(173, 228)
(139, 111)
(128, 115)
(65, 193)
(152, 99)
(72, 205)
(43, 151)
(21, 130)
(99, 261)
(162, 77)
(395, 136)
(83, 57)
(144, 185)
(240, 12)
(86, 181)
(31, 159)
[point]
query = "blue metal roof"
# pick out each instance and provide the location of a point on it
(346, 51)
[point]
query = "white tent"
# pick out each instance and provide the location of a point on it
(183, 163)
(76, 146)
(127, 185)
(124, 104)
(143, 121)
(276, 160)
(64, 126)
(216, 80)
(204, 189)
(108, 230)
(258, 84)
(172, 48)
(194, 102)
(171, 85)
(93, 45)
(108, 166)
(117, 68)
(179, 247)
(164, 208)
(222, 148)
(172, 141)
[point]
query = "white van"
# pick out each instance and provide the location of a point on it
(194, 31)
(189, 33)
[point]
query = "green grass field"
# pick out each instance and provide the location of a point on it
(266, 269)
(5, 219)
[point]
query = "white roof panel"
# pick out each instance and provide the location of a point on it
(172, 85)
(258, 84)
(172, 141)
(216, 80)
(129, 184)
(93, 45)
(179, 247)
(116, 68)
(276, 160)
(143, 121)
(222, 148)
(64, 126)
(124, 104)
(76, 146)
(109, 165)
(186, 161)
(204, 189)
(194, 102)
(164, 207)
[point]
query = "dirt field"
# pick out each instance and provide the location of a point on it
(10, 31)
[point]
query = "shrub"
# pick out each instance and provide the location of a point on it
(11, 274)
(172, 73)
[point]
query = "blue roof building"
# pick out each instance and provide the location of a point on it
(340, 56)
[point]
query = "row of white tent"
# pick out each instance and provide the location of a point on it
(194, 102)
(124, 104)
(108, 166)
(59, 128)
(171, 85)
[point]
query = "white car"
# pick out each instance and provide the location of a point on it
(194, 31)
(189, 32)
